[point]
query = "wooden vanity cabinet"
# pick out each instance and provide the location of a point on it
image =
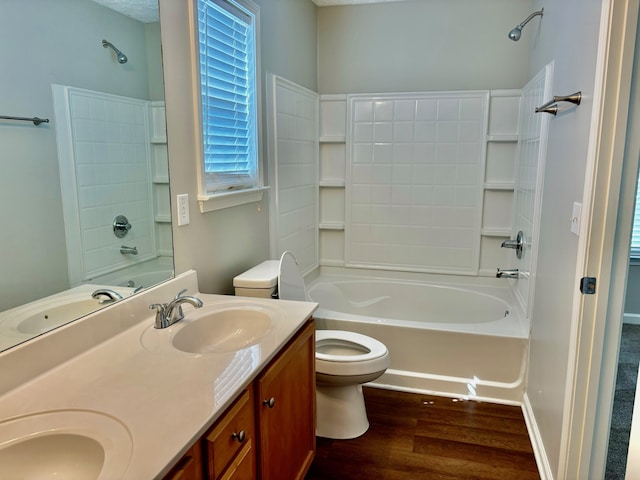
(286, 400)
(189, 467)
(268, 433)
(229, 445)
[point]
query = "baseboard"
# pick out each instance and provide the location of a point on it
(544, 469)
(631, 318)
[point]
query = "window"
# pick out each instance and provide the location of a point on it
(635, 233)
(227, 31)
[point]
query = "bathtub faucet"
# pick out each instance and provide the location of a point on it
(508, 273)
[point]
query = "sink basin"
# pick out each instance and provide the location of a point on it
(60, 455)
(54, 316)
(223, 329)
(69, 444)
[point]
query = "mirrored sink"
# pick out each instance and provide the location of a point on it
(216, 328)
(53, 316)
(69, 444)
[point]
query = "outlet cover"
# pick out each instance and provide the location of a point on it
(183, 209)
(574, 221)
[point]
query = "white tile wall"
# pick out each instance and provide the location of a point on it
(294, 170)
(107, 160)
(529, 173)
(414, 174)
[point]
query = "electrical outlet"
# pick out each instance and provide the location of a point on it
(183, 209)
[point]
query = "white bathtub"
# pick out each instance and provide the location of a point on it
(466, 337)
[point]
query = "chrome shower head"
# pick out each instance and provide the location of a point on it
(516, 33)
(121, 57)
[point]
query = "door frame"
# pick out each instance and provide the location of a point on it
(603, 252)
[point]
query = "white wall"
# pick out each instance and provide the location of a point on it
(50, 42)
(572, 43)
(221, 244)
(421, 46)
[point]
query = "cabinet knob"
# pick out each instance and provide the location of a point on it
(269, 403)
(240, 436)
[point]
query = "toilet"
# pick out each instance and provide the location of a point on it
(344, 360)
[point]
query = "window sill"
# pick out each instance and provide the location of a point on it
(218, 201)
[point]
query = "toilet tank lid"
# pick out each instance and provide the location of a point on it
(264, 275)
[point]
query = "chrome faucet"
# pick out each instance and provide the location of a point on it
(128, 250)
(169, 313)
(111, 295)
(508, 273)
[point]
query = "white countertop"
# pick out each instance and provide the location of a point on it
(165, 399)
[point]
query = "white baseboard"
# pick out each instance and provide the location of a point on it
(544, 469)
(631, 318)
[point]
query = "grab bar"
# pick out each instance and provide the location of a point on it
(552, 108)
(36, 121)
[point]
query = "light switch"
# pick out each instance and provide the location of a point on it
(183, 209)
(574, 221)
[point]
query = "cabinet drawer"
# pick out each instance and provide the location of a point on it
(189, 467)
(234, 432)
(243, 467)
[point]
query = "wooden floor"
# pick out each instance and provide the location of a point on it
(415, 436)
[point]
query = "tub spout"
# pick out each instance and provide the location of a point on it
(508, 273)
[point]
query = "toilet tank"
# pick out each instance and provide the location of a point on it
(260, 281)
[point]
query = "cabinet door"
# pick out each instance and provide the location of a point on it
(285, 399)
(189, 467)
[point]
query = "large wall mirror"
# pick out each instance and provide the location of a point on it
(85, 197)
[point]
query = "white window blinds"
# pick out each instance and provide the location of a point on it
(228, 92)
(635, 233)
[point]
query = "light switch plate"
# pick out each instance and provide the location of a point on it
(183, 209)
(574, 221)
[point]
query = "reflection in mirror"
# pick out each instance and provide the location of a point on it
(86, 195)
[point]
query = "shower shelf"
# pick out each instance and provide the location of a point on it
(331, 226)
(332, 183)
(502, 138)
(333, 139)
(495, 232)
(499, 186)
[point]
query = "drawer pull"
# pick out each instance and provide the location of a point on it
(269, 403)
(240, 436)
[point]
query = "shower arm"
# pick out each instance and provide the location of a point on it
(530, 17)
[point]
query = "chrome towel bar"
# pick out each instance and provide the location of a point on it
(552, 108)
(36, 121)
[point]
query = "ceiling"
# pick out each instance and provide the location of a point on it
(145, 11)
(329, 3)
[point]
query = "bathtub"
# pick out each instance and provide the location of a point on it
(466, 337)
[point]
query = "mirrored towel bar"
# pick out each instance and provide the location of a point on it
(36, 121)
(552, 108)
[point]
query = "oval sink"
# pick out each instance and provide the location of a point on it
(54, 316)
(69, 444)
(63, 455)
(223, 329)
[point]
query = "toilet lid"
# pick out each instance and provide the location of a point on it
(376, 349)
(290, 280)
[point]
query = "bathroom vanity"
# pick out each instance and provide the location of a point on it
(269, 429)
(227, 392)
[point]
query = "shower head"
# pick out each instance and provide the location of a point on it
(122, 58)
(516, 33)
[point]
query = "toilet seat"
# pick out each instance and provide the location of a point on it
(374, 349)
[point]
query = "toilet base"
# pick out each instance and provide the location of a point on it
(341, 413)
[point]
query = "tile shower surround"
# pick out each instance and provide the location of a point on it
(111, 148)
(414, 180)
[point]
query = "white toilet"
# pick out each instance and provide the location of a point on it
(344, 360)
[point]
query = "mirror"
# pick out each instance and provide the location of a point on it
(96, 74)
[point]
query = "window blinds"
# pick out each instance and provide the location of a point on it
(635, 233)
(228, 85)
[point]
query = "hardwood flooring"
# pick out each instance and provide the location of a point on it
(415, 436)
